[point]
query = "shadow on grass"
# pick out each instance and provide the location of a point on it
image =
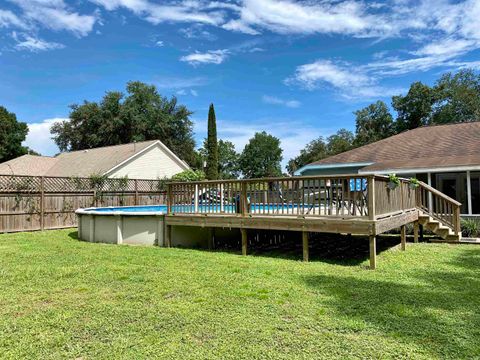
(330, 248)
(435, 309)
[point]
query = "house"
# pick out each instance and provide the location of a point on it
(142, 160)
(446, 157)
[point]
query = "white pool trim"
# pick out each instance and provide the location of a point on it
(91, 211)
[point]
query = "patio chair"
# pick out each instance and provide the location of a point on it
(355, 199)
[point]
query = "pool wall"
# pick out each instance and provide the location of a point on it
(142, 229)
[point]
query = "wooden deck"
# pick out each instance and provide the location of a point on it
(352, 204)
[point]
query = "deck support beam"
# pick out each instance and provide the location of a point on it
(415, 231)
(403, 237)
(373, 252)
(244, 241)
(305, 245)
(168, 235)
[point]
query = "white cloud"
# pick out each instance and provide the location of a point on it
(209, 57)
(352, 82)
(277, 101)
(197, 32)
(183, 92)
(289, 17)
(310, 75)
(33, 44)
(9, 19)
(173, 82)
(159, 43)
(448, 46)
(56, 15)
(180, 11)
(39, 137)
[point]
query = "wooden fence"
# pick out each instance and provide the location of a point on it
(37, 203)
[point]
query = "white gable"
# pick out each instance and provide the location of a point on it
(156, 162)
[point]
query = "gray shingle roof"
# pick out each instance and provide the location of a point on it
(27, 165)
(76, 163)
(424, 147)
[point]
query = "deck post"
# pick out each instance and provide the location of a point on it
(169, 199)
(168, 235)
(415, 231)
(371, 197)
(305, 245)
(373, 252)
(244, 241)
(244, 200)
(403, 237)
(421, 232)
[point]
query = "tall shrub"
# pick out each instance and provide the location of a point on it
(212, 146)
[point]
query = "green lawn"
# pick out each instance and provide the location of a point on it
(62, 298)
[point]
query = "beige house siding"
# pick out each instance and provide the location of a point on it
(153, 163)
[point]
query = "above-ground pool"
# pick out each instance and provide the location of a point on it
(140, 225)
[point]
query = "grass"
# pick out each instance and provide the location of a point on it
(62, 298)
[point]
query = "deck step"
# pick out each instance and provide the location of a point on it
(438, 228)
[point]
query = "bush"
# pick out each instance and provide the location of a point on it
(470, 228)
(189, 175)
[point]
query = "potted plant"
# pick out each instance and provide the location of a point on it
(413, 183)
(393, 182)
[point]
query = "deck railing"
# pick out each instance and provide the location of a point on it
(392, 201)
(439, 206)
(315, 196)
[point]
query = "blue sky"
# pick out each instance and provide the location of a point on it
(297, 69)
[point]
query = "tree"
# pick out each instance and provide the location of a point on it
(12, 134)
(415, 108)
(339, 142)
(228, 159)
(261, 157)
(212, 146)
(189, 175)
(373, 123)
(458, 98)
(118, 119)
(315, 150)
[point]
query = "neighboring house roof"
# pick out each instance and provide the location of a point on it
(438, 146)
(81, 163)
(34, 165)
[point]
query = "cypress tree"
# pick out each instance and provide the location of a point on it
(212, 146)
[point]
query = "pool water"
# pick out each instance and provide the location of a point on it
(228, 208)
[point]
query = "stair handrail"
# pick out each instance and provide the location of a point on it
(439, 193)
(453, 219)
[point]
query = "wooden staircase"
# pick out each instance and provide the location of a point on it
(436, 226)
(438, 213)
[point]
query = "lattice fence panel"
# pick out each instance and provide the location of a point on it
(34, 203)
(20, 184)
